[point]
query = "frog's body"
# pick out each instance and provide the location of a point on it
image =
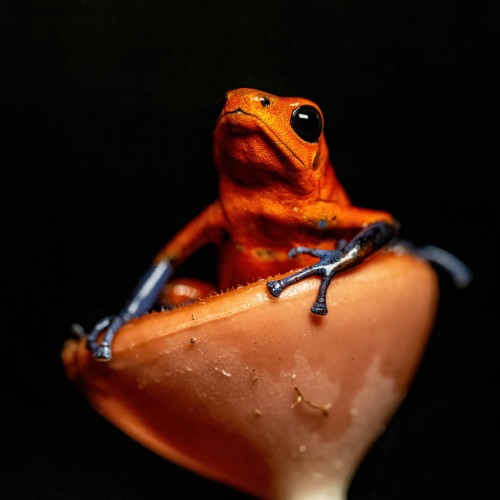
(277, 191)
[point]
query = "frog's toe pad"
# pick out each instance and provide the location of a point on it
(275, 288)
(320, 309)
(102, 352)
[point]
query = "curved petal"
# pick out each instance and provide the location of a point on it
(259, 393)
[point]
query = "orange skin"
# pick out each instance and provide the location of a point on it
(276, 191)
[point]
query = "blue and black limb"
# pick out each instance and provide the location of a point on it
(143, 298)
(333, 262)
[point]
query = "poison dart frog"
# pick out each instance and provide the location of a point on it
(280, 207)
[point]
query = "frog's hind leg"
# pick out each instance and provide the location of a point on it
(456, 268)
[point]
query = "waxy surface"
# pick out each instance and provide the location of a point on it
(257, 392)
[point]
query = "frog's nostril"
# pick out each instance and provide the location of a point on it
(264, 101)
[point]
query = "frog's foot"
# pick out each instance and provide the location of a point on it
(332, 262)
(110, 324)
(324, 268)
(143, 298)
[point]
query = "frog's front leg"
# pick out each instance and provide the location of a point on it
(143, 298)
(333, 262)
(206, 227)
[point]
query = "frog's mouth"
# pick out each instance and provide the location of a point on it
(239, 123)
(239, 118)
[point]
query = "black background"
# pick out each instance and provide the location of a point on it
(106, 120)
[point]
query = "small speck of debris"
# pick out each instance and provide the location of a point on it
(302, 448)
(193, 340)
(324, 409)
(224, 372)
(354, 412)
(257, 412)
(193, 317)
(294, 376)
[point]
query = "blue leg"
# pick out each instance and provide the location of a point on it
(333, 262)
(143, 298)
(458, 270)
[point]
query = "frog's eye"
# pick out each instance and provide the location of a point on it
(307, 123)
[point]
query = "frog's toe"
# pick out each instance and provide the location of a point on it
(275, 288)
(315, 252)
(78, 331)
(102, 352)
(99, 327)
(319, 308)
(293, 252)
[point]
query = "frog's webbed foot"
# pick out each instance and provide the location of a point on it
(332, 262)
(143, 298)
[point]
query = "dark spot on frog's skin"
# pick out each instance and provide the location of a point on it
(324, 223)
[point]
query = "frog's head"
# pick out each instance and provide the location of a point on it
(261, 139)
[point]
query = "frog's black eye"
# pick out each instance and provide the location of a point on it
(264, 101)
(307, 123)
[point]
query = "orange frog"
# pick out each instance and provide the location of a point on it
(281, 207)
